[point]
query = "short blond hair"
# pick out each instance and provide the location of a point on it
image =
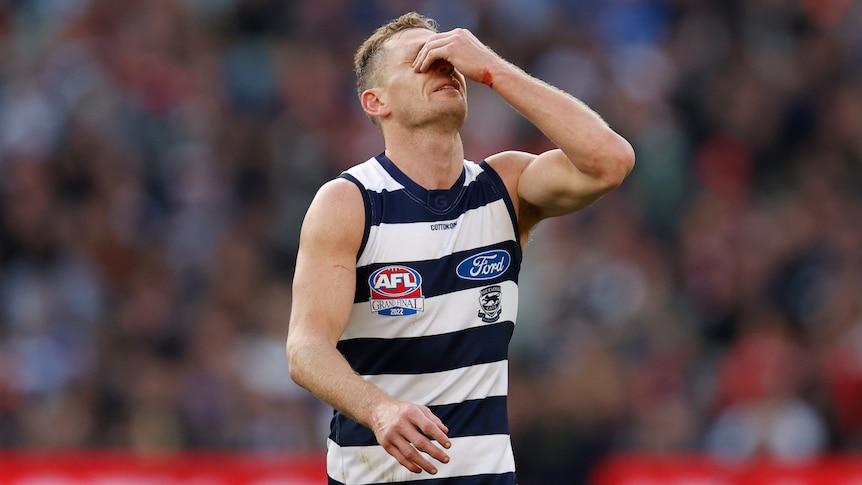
(366, 60)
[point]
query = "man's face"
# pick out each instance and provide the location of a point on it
(416, 99)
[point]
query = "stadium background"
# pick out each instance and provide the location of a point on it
(157, 156)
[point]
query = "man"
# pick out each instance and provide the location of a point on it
(405, 292)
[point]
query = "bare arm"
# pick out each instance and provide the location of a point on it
(323, 290)
(591, 160)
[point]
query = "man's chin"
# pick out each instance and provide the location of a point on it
(451, 119)
(453, 122)
(454, 117)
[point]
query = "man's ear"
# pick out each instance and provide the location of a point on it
(373, 104)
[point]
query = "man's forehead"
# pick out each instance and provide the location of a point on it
(409, 40)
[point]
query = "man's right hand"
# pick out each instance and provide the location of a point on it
(406, 430)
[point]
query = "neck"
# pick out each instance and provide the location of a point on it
(434, 161)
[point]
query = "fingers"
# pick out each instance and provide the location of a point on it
(407, 452)
(437, 47)
(411, 440)
(422, 443)
(438, 430)
(459, 47)
(407, 456)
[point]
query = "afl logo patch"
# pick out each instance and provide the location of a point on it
(484, 266)
(396, 291)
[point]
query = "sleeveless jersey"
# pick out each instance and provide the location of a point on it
(434, 311)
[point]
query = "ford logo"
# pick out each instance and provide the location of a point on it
(484, 266)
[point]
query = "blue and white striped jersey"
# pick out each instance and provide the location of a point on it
(435, 306)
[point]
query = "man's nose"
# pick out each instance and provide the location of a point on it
(443, 67)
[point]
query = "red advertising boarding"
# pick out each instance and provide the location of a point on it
(702, 470)
(80, 468)
(189, 468)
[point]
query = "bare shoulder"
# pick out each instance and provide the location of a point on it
(338, 193)
(336, 214)
(510, 164)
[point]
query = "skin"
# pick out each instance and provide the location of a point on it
(420, 102)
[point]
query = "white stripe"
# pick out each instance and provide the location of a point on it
(374, 177)
(416, 241)
(469, 455)
(447, 313)
(447, 387)
(472, 170)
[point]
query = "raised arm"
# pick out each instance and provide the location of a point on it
(591, 160)
(323, 291)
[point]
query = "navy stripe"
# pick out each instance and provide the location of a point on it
(478, 417)
(496, 479)
(439, 202)
(439, 276)
(401, 206)
(368, 211)
(414, 203)
(432, 353)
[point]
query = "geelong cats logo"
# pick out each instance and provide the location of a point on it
(396, 291)
(490, 303)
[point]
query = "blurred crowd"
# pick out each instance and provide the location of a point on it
(157, 157)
